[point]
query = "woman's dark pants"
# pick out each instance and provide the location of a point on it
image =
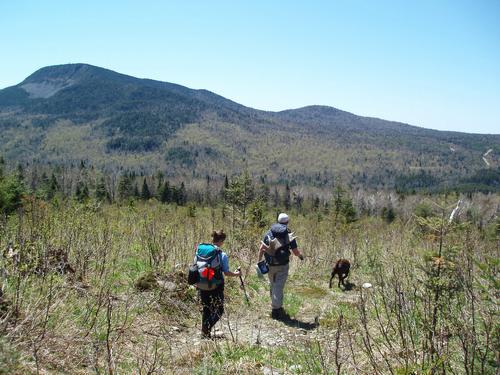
(213, 307)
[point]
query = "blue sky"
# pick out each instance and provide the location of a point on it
(434, 64)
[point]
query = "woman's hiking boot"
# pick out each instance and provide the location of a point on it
(205, 333)
(279, 314)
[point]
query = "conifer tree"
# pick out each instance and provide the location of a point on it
(125, 187)
(159, 177)
(316, 203)
(20, 172)
(145, 193)
(11, 193)
(208, 197)
(101, 193)
(276, 197)
(343, 205)
(182, 195)
(287, 201)
(224, 188)
(82, 191)
(53, 187)
(166, 193)
(239, 195)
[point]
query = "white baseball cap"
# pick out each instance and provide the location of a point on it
(283, 218)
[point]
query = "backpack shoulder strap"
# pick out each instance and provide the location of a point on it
(218, 252)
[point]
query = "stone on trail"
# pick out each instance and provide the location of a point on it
(268, 371)
(167, 285)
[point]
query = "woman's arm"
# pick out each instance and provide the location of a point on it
(225, 267)
(236, 273)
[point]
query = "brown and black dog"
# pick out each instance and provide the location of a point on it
(341, 268)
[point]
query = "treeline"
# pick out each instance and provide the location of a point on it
(84, 183)
(245, 197)
(483, 180)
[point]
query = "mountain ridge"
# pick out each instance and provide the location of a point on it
(80, 111)
(93, 72)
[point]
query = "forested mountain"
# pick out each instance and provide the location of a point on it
(68, 113)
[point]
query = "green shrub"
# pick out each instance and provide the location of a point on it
(9, 358)
(11, 192)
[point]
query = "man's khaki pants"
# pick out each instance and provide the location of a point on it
(277, 280)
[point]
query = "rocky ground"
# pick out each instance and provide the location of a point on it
(309, 302)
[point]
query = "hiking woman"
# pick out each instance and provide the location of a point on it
(212, 296)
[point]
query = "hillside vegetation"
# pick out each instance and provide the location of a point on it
(92, 287)
(425, 313)
(69, 113)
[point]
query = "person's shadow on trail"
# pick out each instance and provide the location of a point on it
(295, 323)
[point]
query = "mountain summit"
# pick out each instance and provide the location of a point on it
(47, 81)
(74, 112)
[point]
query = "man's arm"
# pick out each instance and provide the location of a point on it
(262, 250)
(297, 253)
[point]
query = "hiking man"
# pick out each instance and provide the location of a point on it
(275, 247)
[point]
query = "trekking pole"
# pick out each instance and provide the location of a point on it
(243, 286)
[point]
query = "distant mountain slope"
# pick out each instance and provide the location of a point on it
(73, 112)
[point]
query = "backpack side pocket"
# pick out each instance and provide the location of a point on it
(193, 274)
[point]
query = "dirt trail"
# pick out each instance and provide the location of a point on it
(254, 326)
(313, 306)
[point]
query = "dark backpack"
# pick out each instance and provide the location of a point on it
(282, 253)
(206, 270)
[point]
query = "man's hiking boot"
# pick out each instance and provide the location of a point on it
(275, 314)
(279, 314)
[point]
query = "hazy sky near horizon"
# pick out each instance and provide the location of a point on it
(434, 64)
